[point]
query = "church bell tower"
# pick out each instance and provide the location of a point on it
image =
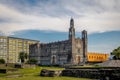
(85, 42)
(71, 30)
(72, 42)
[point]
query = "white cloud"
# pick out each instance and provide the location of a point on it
(18, 21)
(94, 16)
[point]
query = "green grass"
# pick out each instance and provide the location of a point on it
(43, 78)
(33, 74)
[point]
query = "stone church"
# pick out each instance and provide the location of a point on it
(71, 51)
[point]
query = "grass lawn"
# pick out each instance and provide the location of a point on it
(33, 74)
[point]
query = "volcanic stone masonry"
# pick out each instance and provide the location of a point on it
(71, 51)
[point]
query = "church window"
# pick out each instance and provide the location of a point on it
(53, 61)
(45, 50)
(78, 59)
(64, 48)
(78, 50)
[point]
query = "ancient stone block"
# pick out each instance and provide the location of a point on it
(50, 73)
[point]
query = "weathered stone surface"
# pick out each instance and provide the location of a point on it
(70, 51)
(95, 73)
(111, 63)
(18, 66)
(29, 66)
(109, 73)
(44, 72)
(50, 73)
(8, 70)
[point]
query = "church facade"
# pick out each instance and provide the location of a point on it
(71, 51)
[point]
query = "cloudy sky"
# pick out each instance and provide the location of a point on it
(48, 20)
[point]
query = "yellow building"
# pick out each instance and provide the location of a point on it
(97, 57)
(10, 47)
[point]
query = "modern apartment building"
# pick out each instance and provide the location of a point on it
(10, 47)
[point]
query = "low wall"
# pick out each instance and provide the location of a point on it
(95, 73)
(104, 73)
(8, 70)
(24, 66)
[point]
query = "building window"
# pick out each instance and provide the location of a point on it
(89, 56)
(92, 56)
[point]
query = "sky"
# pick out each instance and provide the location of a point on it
(48, 21)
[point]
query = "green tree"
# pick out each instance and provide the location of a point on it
(2, 61)
(116, 52)
(23, 56)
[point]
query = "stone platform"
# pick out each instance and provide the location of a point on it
(100, 73)
(50, 73)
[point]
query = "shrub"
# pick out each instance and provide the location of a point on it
(32, 61)
(97, 65)
(2, 61)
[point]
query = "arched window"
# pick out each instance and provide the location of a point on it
(78, 50)
(53, 59)
(78, 59)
